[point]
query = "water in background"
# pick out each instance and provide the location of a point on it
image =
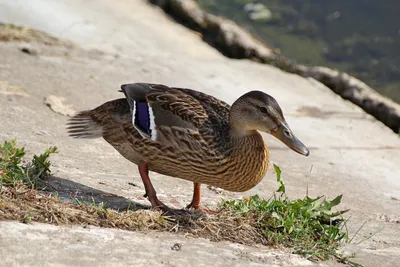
(359, 37)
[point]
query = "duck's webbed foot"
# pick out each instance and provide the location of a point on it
(195, 204)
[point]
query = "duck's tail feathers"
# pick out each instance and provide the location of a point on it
(82, 125)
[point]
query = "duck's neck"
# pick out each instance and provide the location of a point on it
(237, 132)
(245, 139)
(250, 152)
(238, 124)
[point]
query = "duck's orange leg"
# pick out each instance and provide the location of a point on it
(148, 186)
(195, 204)
(156, 203)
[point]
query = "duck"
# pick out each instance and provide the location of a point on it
(190, 135)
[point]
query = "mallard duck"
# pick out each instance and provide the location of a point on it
(190, 135)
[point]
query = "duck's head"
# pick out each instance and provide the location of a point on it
(257, 110)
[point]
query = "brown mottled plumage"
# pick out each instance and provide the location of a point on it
(187, 134)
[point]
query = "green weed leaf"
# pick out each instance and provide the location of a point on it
(282, 188)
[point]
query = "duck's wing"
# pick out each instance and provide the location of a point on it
(156, 106)
(212, 105)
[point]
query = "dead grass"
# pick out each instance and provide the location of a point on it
(25, 204)
(13, 33)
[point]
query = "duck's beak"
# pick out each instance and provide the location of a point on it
(285, 134)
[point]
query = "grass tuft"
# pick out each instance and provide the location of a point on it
(307, 225)
(13, 33)
(13, 171)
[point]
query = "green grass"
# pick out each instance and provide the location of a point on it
(14, 170)
(307, 225)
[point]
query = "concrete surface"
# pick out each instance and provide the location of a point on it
(61, 246)
(129, 41)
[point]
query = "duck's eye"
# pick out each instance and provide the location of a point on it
(263, 110)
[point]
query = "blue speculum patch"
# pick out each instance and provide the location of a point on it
(142, 117)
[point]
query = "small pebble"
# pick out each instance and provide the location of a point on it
(29, 51)
(177, 247)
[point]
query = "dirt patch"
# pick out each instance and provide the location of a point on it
(13, 33)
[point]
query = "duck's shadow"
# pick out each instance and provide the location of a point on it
(70, 191)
